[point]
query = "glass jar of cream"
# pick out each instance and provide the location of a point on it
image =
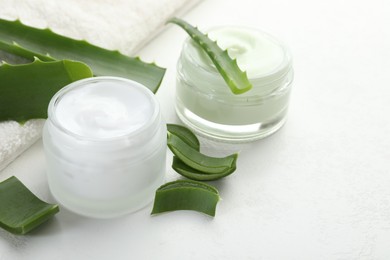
(105, 146)
(206, 104)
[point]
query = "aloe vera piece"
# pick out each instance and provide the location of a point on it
(20, 210)
(189, 138)
(26, 90)
(17, 50)
(186, 195)
(30, 42)
(181, 168)
(184, 134)
(236, 79)
(199, 161)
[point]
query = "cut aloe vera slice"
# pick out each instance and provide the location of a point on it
(20, 210)
(186, 195)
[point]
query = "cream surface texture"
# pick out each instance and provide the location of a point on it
(256, 52)
(105, 146)
(122, 25)
(104, 110)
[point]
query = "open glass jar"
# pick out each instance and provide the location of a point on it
(206, 104)
(105, 145)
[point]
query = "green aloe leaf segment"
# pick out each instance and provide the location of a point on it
(183, 169)
(184, 134)
(201, 162)
(236, 79)
(26, 90)
(195, 165)
(20, 210)
(29, 42)
(186, 195)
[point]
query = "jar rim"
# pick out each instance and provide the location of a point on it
(83, 82)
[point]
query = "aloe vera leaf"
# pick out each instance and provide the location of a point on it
(180, 167)
(186, 195)
(22, 52)
(20, 210)
(185, 134)
(26, 89)
(28, 42)
(236, 79)
(199, 161)
(188, 137)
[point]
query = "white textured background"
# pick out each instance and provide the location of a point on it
(318, 189)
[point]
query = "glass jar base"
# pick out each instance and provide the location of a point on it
(229, 133)
(104, 209)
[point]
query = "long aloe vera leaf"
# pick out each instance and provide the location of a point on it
(236, 79)
(30, 42)
(26, 90)
(20, 210)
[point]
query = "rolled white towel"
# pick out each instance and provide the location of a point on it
(15, 138)
(124, 25)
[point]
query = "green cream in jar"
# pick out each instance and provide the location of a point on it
(206, 104)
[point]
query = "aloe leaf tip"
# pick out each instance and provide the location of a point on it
(235, 78)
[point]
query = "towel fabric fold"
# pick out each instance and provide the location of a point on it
(124, 25)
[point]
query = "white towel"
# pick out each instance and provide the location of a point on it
(124, 25)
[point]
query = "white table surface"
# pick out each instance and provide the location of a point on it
(317, 189)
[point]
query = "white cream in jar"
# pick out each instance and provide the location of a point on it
(105, 144)
(206, 104)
